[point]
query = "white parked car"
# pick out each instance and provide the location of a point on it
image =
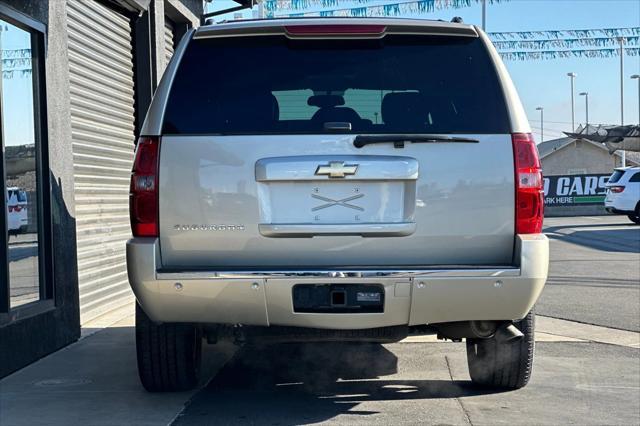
(18, 217)
(623, 193)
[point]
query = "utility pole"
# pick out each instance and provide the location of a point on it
(586, 106)
(484, 15)
(572, 76)
(637, 77)
(541, 123)
(621, 40)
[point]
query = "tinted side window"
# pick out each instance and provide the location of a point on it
(635, 177)
(274, 85)
(615, 177)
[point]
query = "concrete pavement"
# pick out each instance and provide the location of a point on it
(94, 382)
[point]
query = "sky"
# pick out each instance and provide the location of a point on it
(17, 93)
(545, 83)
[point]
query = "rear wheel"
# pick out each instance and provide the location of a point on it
(168, 354)
(635, 217)
(503, 364)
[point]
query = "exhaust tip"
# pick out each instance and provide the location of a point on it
(508, 334)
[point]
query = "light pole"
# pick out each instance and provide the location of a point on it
(572, 76)
(484, 15)
(541, 123)
(586, 105)
(621, 40)
(637, 77)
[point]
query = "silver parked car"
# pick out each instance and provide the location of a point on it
(336, 179)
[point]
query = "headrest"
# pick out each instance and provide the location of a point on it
(340, 114)
(325, 101)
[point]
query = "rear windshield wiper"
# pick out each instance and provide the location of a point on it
(398, 140)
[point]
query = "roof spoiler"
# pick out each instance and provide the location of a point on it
(288, 27)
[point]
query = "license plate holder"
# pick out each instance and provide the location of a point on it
(338, 298)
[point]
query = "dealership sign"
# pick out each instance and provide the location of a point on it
(574, 190)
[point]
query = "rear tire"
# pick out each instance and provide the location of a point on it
(504, 365)
(635, 217)
(169, 355)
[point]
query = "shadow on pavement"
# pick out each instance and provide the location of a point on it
(307, 383)
(19, 253)
(611, 240)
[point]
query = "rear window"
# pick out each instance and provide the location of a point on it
(16, 195)
(615, 177)
(275, 85)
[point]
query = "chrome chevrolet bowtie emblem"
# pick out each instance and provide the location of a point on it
(336, 169)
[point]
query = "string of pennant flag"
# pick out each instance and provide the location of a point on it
(560, 54)
(9, 74)
(558, 34)
(567, 43)
(358, 8)
(16, 63)
(558, 44)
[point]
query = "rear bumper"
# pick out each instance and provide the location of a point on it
(618, 211)
(412, 297)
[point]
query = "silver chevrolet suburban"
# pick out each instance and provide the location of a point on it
(336, 179)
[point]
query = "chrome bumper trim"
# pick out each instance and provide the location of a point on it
(434, 273)
(363, 229)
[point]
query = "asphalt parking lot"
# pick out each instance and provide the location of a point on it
(587, 367)
(594, 271)
(23, 267)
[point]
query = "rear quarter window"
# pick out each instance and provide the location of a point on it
(274, 85)
(615, 177)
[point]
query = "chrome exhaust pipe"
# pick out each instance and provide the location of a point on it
(508, 333)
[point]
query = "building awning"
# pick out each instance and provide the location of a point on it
(613, 137)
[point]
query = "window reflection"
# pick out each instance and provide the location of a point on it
(21, 185)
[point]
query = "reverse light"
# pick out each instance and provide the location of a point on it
(616, 189)
(529, 186)
(143, 195)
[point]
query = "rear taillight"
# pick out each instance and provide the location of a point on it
(529, 190)
(616, 189)
(143, 196)
(17, 209)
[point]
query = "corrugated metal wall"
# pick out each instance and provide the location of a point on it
(168, 40)
(102, 121)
